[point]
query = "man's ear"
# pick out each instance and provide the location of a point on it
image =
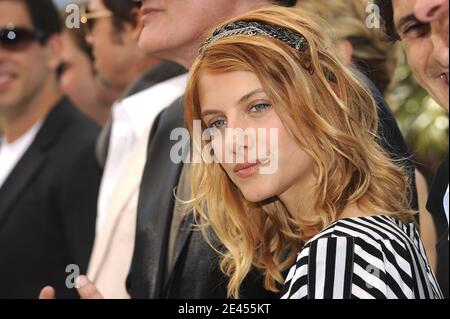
(54, 48)
(138, 26)
(345, 51)
(132, 31)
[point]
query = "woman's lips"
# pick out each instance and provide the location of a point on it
(248, 169)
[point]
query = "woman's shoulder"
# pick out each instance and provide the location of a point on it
(370, 229)
(364, 257)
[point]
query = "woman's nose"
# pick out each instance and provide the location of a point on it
(240, 139)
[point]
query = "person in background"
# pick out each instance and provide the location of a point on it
(78, 80)
(49, 178)
(423, 30)
(151, 86)
(111, 29)
(365, 49)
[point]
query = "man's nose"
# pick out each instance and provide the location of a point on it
(440, 48)
(430, 10)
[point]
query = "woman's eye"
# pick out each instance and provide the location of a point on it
(259, 107)
(217, 124)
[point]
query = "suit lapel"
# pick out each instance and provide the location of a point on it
(156, 203)
(23, 174)
(183, 236)
(102, 145)
(32, 162)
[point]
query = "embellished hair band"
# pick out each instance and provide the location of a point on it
(254, 28)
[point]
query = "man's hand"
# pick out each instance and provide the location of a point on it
(47, 293)
(85, 287)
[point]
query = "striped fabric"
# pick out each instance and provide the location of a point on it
(374, 257)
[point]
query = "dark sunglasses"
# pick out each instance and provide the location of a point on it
(19, 38)
(89, 18)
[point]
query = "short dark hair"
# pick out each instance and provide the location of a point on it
(122, 11)
(387, 19)
(44, 16)
(285, 3)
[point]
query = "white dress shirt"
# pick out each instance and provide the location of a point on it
(10, 154)
(132, 117)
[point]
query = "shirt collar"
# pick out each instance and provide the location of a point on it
(139, 108)
(27, 136)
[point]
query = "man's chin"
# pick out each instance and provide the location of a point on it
(445, 104)
(439, 92)
(103, 83)
(442, 99)
(9, 105)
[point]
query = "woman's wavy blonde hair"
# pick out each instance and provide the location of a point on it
(335, 123)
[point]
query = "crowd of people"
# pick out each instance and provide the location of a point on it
(101, 198)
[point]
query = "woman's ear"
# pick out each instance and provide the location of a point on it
(345, 51)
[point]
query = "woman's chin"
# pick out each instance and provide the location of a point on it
(256, 197)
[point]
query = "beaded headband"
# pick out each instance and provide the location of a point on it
(254, 28)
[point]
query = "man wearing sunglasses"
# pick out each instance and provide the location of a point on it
(113, 29)
(48, 174)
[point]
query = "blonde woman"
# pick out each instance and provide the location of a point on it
(335, 211)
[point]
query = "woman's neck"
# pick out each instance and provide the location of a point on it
(355, 210)
(300, 200)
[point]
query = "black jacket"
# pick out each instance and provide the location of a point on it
(48, 207)
(436, 208)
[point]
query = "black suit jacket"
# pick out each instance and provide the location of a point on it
(196, 272)
(436, 208)
(48, 207)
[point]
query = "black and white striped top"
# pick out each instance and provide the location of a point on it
(364, 257)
